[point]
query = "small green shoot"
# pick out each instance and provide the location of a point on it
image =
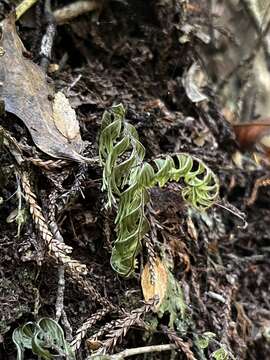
(127, 178)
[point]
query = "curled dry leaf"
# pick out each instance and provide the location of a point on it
(159, 287)
(26, 93)
(193, 80)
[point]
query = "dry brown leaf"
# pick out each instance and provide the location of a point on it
(253, 135)
(93, 344)
(26, 93)
(65, 117)
(160, 284)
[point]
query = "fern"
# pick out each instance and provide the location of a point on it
(127, 179)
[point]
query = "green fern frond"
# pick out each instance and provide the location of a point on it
(201, 186)
(127, 179)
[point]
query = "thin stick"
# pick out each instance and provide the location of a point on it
(233, 210)
(23, 7)
(48, 37)
(75, 9)
(143, 350)
(64, 14)
(59, 306)
(258, 184)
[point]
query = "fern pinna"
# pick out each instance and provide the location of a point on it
(127, 179)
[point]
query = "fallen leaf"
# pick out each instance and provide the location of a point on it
(159, 287)
(201, 139)
(26, 93)
(65, 117)
(93, 344)
(254, 135)
(192, 81)
(237, 158)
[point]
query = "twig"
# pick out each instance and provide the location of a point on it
(66, 325)
(23, 7)
(75, 9)
(59, 305)
(141, 350)
(74, 82)
(48, 37)
(64, 14)
(233, 210)
(216, 296)
(259, 183)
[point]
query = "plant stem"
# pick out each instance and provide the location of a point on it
(70, 11)
(143, 350)
(23, 7)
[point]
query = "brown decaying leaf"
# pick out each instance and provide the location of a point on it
(160, 284)
(65, 117)
(93, 344)
(26, 93)
(254, 135)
